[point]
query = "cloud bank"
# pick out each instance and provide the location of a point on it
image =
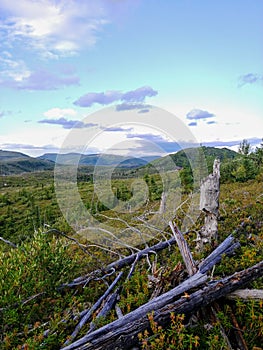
(39, 80)
(67, 124)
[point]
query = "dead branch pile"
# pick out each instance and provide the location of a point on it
(193, 294)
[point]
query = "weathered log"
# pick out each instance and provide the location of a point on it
(122, 333)
(109, 305)
(227, 247)
(194, 281)
(119, 264)
(247, 294)
(215, 256)
(87, 314)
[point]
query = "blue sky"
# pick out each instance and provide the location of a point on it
(93, 70)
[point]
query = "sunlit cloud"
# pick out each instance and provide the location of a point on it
(46, 25)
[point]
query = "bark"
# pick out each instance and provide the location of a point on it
(122, 333)
(159, 302)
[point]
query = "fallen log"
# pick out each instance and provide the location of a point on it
(109, 305)
(227, 247)
(119, 264)
(122, 333)
(87, 314)
(246, 294)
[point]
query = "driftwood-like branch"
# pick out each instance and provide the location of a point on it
(184, 250)
(57, 232)
(122, 333)
(86, 316)
(247, 294)
(194, 281)
(158, 302)
(227, 247)
(109, 305)
(13, 245)
(119, 264)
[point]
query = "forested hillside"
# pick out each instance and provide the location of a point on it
(17, 163)
(41, 256)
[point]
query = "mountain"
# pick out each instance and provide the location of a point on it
(17, 163)
(98, 159)
(181, 158)
(9, 155)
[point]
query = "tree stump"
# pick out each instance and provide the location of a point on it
(209, 204)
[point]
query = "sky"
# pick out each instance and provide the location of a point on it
(139, 77)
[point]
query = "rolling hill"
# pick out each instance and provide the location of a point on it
(181, 158)
(17, 163)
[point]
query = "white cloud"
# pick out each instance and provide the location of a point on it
(60, 113)
(53, 27)
(14, 69)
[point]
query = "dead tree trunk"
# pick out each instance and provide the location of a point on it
(209, 203)
(122, 333)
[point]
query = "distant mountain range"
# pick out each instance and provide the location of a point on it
(98, 159)
(16, 162)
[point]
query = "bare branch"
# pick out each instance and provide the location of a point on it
(87, 316)
(13, 245)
